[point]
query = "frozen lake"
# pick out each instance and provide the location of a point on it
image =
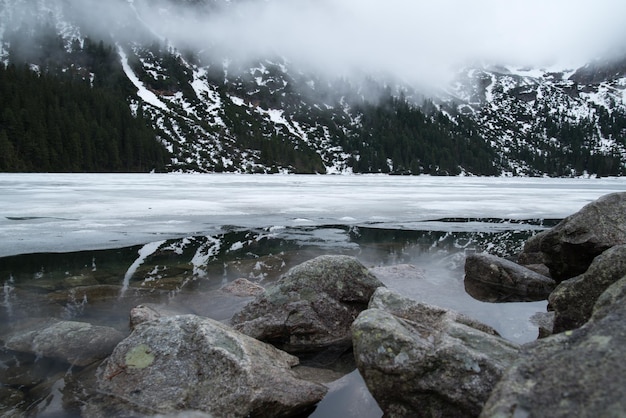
(89, 247)
(72, 212)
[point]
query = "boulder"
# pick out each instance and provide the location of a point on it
(570, 247)
(573, 299)
(242, 287)
(491, 278)
(77, 343)
(191, 363)
(540, 269)
(312, 307)
(578, 373)
(531, 254)
(149, 312)
(424, 361)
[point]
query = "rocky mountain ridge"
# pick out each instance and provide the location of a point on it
(216, 114)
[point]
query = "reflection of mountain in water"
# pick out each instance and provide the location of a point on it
(257, 254)
(88, 285)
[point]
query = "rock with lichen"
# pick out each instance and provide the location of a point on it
(189, 363)
(423, 361)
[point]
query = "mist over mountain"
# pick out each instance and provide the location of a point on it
(315, 86)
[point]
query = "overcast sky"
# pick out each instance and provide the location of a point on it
(412, 39)
(415, 40)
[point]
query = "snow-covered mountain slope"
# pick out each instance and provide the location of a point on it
(214, 113)
(535, 116)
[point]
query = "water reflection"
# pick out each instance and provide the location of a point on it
(100, 287)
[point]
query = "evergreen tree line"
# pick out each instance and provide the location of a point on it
(574, 150)
(277, 147)
(401, 138)
(76, 120)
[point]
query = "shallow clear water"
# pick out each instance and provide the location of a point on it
(101, 286)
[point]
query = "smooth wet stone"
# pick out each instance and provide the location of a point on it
(495, 279)
(77, 343)
(570, 247)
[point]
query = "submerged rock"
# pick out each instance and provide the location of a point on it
(187, 362)
(242, 287)
(311, 307)
(218, 304)
(77, 343)
(10, 400)
(570, 247)
(578, 373)
(573, 299)
(495, 279)
(149, 312)
(424, 361)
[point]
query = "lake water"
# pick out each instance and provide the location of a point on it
(89, 247)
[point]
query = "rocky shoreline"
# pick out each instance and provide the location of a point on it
(269, 358)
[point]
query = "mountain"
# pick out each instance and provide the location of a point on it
(549, 121)
(93, 87)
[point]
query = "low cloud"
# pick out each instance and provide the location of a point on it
(417, 41)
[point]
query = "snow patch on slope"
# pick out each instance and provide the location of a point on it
(207, 95)
(145, 94)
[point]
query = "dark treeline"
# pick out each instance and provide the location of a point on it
(73, 121)
(401, 138)
(574, 149)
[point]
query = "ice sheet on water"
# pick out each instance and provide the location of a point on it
(70, 212)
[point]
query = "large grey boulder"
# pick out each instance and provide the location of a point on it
(423, 361)
(186, 362)
(312, 307)
(77, 343)
(570, 247)
(573, 299)
(578, 373)
(495, 279)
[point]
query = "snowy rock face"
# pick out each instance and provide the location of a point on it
(534, 115)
